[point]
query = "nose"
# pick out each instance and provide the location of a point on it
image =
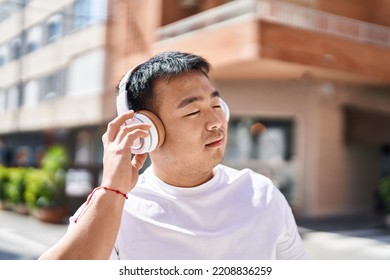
(214, 120)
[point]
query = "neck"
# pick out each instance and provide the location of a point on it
(182, 179)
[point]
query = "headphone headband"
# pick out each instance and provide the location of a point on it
(121, 100)
(126, 77)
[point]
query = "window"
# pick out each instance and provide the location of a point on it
(34, 38)
(85, 13)
(31, 93)
(84, 150)
(266, 146)
(52, 86)
(98, 12)
(3, 100)
(16, 49)
(3, 54)
(86, 74)
(80, 13)
(13, 98)
(54, 28)
(6, 9)
(260, 139)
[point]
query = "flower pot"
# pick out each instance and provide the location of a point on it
(55, 215)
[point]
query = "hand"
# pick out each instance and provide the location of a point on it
(119, 170)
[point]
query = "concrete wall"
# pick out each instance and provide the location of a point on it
(348, 173)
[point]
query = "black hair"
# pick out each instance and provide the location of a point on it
(165, 65)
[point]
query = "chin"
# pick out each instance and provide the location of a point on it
(218, 159)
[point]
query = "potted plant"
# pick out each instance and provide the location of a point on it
(45, 187)
(43, 196)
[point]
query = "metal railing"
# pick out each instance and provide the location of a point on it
(301, 17)
(208, 19)
(281, 13)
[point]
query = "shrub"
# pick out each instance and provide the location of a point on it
(384, 193)
(15, 185)
(3, 181)
(45, 187)
(40, 189)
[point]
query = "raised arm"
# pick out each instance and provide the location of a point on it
(94, 234)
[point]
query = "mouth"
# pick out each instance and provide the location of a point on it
(215, 143)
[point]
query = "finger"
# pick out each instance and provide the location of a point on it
(114, 126)
(138, 161)
(129, 138)
(134, 128)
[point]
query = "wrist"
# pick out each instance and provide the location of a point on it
(117, 191)
(95, 193)
(120, 186)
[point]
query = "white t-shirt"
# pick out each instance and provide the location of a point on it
(235, 215)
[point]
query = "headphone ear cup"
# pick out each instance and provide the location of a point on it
(156, 132)
(225, 109)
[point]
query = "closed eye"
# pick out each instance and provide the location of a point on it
(192, 114)
(217, 107)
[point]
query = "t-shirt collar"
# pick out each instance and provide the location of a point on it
(182, 192)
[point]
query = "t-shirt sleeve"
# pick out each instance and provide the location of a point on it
(114, 254)
(290, 245)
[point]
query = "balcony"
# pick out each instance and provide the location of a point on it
(269, 39)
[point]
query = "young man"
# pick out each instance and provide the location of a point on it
(186, 205)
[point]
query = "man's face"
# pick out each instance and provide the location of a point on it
(196, 126)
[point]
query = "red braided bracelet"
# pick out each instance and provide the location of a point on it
(90, 198)
(114, 190)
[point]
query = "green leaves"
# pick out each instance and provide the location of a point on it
(55, 158)
(40, 188)
(14, 186)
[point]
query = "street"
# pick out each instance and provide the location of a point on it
(23, 237)
(356, 244)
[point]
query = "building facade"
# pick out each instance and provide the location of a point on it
(52, 68)
(307, 82)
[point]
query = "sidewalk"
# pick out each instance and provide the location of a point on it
(363, 244)
(24, 237)
(346, 238)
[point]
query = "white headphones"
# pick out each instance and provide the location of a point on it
(157, 131)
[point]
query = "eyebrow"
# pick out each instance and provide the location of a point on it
(193, 99)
